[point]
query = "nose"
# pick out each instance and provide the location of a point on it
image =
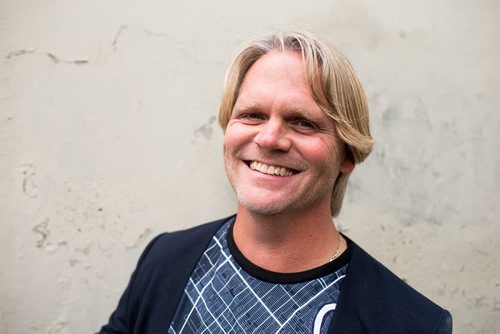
(273, 136)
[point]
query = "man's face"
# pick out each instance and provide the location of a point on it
(280, 150)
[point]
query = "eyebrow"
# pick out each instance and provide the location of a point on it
(295, 112)
(246, 107)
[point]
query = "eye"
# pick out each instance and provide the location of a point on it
(253, 115)
(252, 118)
(304, 125)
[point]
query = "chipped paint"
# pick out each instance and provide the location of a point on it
(29, 182)
(42, 230)
(206, 131)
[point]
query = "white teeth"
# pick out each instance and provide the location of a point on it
(271, 170)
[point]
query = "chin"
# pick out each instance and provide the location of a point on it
(264, 209)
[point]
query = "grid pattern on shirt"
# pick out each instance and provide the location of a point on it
(221, 297)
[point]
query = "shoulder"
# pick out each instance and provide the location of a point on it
(378, 299)
(156, 286)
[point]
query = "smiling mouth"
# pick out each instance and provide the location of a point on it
(271, 170)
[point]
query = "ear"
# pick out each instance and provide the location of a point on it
(347, 165)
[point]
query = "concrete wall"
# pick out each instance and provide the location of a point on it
(108, 137)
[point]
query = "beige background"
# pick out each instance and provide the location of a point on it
(108, 137)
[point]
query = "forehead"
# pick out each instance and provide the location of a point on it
(279, 68)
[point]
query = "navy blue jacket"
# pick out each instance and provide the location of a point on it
(372, 299)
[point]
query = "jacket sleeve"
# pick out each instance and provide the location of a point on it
(444, 325)
(121, 321)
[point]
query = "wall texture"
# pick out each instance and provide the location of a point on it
(108, 136)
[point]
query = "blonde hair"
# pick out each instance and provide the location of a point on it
(334, 86)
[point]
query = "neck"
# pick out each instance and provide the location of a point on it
(286, 243)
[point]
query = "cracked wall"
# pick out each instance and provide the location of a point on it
(108, 136)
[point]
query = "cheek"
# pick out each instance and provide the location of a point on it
(228, 142)
(326, 156)
(321, 150)
(235, 136)
(231, 145)
(228, 137)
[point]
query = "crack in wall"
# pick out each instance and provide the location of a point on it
(126, 27)
(55, 59)
(13, 54)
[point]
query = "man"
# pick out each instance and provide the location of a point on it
(295, 121)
